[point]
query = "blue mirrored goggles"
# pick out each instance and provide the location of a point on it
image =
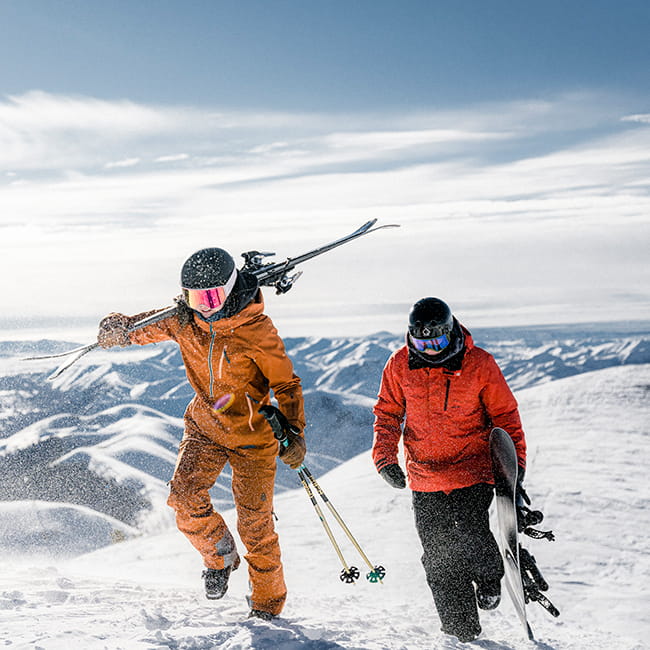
(437, 343)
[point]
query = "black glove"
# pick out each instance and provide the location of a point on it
(525, 516)
(521, 497)
(393, 475)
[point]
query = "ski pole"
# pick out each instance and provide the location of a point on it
(349, 573)
(282, 429)
(376, 572)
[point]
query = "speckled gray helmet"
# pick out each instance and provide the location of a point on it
(207, 268)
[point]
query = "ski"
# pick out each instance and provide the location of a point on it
(504, 469)
(267, 274)
(277, 274)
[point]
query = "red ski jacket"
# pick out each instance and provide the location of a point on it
(445, 418)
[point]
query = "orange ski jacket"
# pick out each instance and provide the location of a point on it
(445, 418)
(232, 364)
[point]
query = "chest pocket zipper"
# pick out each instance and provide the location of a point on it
(224, 355)
(251, 414)
(210, 350)
(447, 389)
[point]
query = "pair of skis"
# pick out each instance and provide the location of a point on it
(283, 431)
(268, 274)
(524, 581)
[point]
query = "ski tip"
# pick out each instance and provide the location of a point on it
(368, 227)
(57, 373)
(361, 230)
(46, 357)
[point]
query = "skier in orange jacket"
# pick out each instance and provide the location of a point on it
(233, 357)
(443, 395)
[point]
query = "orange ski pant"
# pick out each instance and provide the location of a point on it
(200, 461)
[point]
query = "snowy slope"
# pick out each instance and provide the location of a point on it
(588, 449)
(116, 461)
(589, 439)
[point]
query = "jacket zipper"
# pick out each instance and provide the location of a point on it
(222, 356)
(212, 335)
(447, 393)
(251, 414)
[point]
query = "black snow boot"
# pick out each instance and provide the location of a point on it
(464, 633)
(216, 582)
(259, 613)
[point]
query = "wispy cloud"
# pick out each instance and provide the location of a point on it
(127, 162)
(172, 158)
(85, 175)
(37, 112)
(68, 152)
(643, 118)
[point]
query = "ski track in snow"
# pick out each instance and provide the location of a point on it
(587, 439)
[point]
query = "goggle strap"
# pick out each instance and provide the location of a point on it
(230, 283)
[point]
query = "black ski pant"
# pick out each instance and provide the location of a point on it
(459, 549)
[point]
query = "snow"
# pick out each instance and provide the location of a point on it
(39, 527)
(588, 445)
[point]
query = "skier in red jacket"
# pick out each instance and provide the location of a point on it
(443, 395)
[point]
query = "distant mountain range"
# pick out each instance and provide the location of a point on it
(104, 434)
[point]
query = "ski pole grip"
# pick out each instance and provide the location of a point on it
(280, 426)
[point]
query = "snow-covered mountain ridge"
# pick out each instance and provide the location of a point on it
(153, 375)
(104, 434)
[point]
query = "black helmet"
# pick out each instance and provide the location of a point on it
(430, 318)
(208, 268)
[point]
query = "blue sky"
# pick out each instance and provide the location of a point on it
(333, 55)
(511, 141)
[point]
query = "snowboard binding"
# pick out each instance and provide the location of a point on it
(533, 582)
(527, 518)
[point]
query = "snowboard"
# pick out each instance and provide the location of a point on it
(505, 469)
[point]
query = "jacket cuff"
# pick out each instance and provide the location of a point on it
(384, 462)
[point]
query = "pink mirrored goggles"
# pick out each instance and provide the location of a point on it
(212, 298)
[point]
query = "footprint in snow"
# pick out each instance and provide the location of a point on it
(155, 621)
